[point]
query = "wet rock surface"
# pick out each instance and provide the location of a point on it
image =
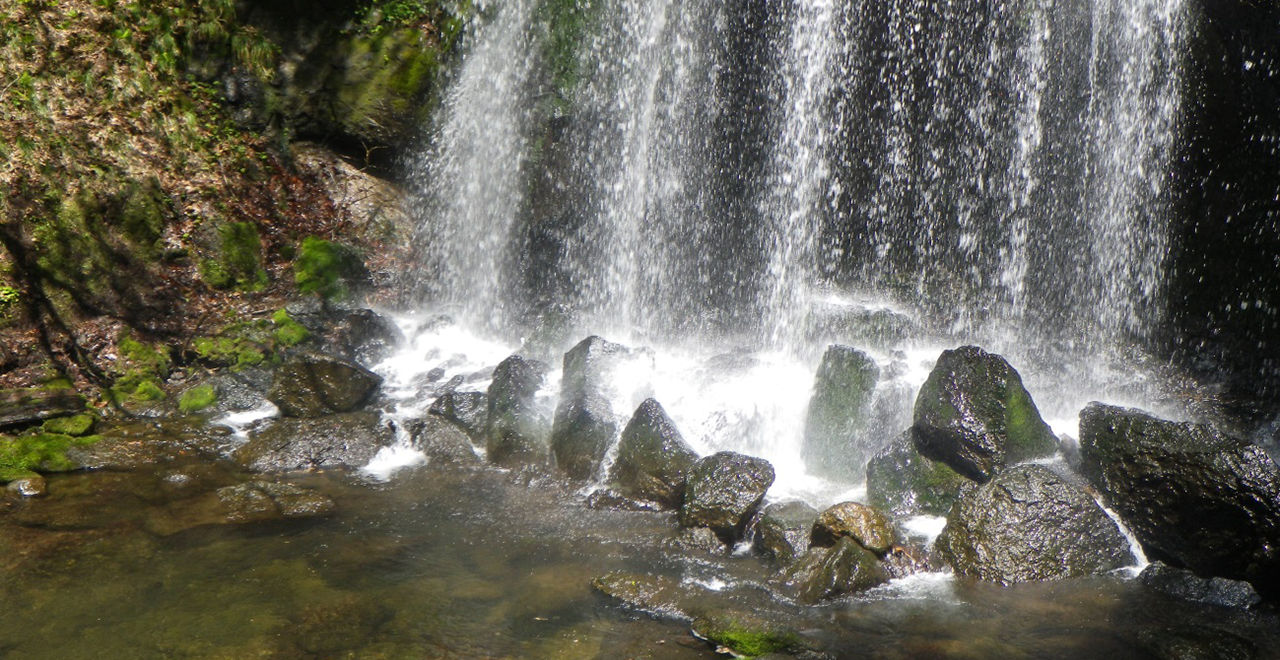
(870, 528)
(584, 425)
(827, 572)
(258, 501)
(905, 483)
(1183, 584)
(441, 441)
(783, 530)
(346, 440)
(314, 384)
(974, 414)
(653, 458)
(468, 410)
(365, 337)
(1193, 496)
(838, 411)
(516, 428)
(1029, 524)
(26, 406)
(724, 491)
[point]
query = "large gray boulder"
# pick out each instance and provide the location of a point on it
(1029, 524)
(723, 491)
(974, 414)
(653, 458)
(314, 385)
(783, 530)
(345, 440)
(905, 483)
(585, 425)
(516, 429)
(838, 411)
(468, 411)
(1193, 496)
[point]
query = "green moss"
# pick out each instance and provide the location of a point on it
(238, 263)
(42, 452)
(233, 351)
(147, 390)
(325, 268)
(288, 332)
(746, 636)
(75, 426)
(198, 398)
(144, 358)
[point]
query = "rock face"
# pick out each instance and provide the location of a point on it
(313, 385)
(823, 573)
(904, 483)
(1184, 584)
(842, 392)
(723, 491)
(441, 441)
(469, 411)
(1029, 524)
(1193, 496)
(974, 415)
(653, 458)
(349, 439)
(366, 337)
(870, 528)
(783, 530)
(32, 405)
(516, 429)
(584, 424)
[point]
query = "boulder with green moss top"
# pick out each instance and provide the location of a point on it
(827, 572)
(517, 429)
(198, 398)
(40, 452)
(287, 332)
(235, 262)
(974, 414)
(329, 269)
(1194, 496)
(1029, 524)
(26, 406)
(723, 492)
(584, 426)
(342, 440)
(313, 385)
(784, 529)
(869, 527)
(74, 426)
(747, 634)
(842, 392)
(905, 483)
(653, 458)
(259, 501)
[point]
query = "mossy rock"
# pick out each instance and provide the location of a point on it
(238, 261)
(41, 452)
(866, 525)
(74, 426)
(747, 635)
(326, 268)
(904, 483)
(288, 332)
(653, 458)
(517, 431)
(842, 392)
(974, 414)
(824, 573)
(198, 398)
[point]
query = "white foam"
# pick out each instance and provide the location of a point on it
(927, 528)
(239, 422)
(390, 460)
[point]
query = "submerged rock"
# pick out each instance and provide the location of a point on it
(1183, 584)
(870, 528)
(469, 411)
(905, 483)
(517, 431)
(653, 458)
(724, 491)
(345, 440)
(585, 425)
(313, 385)
(747, 634)
(259, 501)
(842, 392)
(783, 530)
(1193, 496)
(974, 414)
(24, 483)
(1029, 524)
(823, 573)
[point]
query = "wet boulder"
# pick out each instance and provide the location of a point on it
(468, 411)
(783, 530)
(1185, 585)
(584, 425)
(442, 442)
(842, 392)
(345, 440)
(1029, 524)
(314, 385)
(904, 483)
(653, 458)
(870, 528)
(26, 406)
(1195, 497)
(723, 491)
(258, 501)
(828, 572)
(364, 336)
(748, 634)
(974, 414)
(516, 428)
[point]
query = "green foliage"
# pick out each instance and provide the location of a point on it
(238, 263)
(75, 426)
(288, 332)
(325, 268)
(198, 398)
(44, 452)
